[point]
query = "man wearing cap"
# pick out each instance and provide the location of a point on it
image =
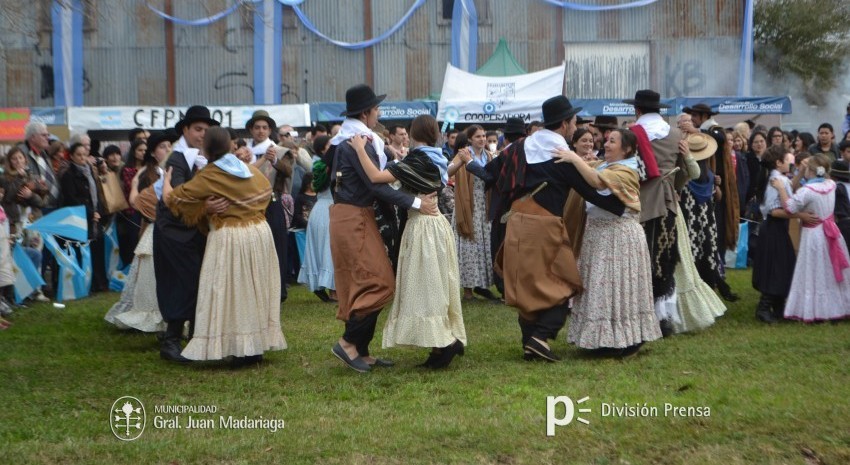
(726, 208)
(659, 146)
(489, 173)
(536, 260)
(179, 249)
(277, 166)
(364, 277)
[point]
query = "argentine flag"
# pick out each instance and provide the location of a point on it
(116, 270)
(75, 273)
(465, 35)
(27, 277)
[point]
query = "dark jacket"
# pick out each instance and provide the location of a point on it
(76, 190)
(50, 200)
(354, 187)
(11, 203)
(166, 222)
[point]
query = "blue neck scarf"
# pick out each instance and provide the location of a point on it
(234, 166)
(816, 180)
(702, 191)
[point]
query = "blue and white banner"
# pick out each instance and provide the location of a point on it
(81, 119)
(27, 277)
(739, 105)
(74, 273)
(268, 43)
(329, 111)
(72, 276)
(51, 116)
(67, 17)
(116, 270)
(465, 36)
(68, 222)
(745, 71)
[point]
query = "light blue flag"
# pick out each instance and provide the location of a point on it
(268, 43)
(27, 277)
(72, 276)
(112, 253)
(68, 222)
(67, 40)
(465, 36)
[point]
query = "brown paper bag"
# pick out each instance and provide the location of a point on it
(111, 193)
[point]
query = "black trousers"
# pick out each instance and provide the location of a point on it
(177, 266)
(276, 217)
(359, 330)
(547, 325)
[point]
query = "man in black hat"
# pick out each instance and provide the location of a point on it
(659, 146)
(364, 277)
(277, 166)
(537, 262)
(726, 208)
(603, 125)
(179, 249)
(514, 131)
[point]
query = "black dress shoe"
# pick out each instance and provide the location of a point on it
(432, 357)
(486, 293)
(530, 356)
(536, 347)
(170, 350)
(239, 362)
(382, 362)
(357, 364)
(726, 292)
(631, 350)
(448, 354)
(666, 328)
(322, 295)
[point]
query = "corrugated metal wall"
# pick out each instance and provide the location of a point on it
(692, 48)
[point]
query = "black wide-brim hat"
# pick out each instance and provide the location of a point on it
(261, 115)
(647, 98)
(557, 109)
(195, 114)
(840, 171)
(605, 122)
(359, 99)
(514, 126)
(701, 108)
(155, 139)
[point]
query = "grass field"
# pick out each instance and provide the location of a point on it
(777, 395)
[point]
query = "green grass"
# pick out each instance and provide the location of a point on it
(773, 391)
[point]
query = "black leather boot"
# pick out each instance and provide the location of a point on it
(778, 306)
(726, 291)
(764, 309)
(170, 347)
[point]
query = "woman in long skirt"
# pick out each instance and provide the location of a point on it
(426, 307)
(470, 221)
(238, 310)
(317, 267)
(616, 310)
(820, 289)
(774, 259)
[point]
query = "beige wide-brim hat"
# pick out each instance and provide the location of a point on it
(701, 145)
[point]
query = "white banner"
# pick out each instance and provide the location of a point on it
(82, 119)
(470, 98)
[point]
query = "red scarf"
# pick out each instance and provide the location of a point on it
(645, 151)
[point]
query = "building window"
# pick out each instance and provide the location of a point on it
(482, 7)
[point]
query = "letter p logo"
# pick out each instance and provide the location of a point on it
(551, 405)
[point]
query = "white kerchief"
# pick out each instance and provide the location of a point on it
(352, 127)
(193, 156)
(540, 145)
(259, 150)
(654, 125)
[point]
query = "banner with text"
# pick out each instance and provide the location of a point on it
(470, 98)
(157, 118)
(329, 111)
(12, 123)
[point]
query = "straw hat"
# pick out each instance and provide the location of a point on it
(701, 145)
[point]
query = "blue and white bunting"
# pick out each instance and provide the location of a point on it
(67, 41)
(465, 36)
